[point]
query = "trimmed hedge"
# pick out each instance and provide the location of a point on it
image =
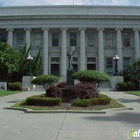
(15, 86)
(43, 101)
(91, 76)
(126, 86)
(100, 100)
(45, 80)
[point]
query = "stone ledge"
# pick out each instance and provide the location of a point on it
(26, 110)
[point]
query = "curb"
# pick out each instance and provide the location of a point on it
(27, 110)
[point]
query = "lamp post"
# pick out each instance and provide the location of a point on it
(70, 70)
(29, 59)
(116, 59)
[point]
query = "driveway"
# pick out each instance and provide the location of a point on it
(114, 125)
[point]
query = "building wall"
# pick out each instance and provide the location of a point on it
(35, 26)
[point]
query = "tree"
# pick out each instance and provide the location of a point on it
(91, 76)
(9, 60)
(45, 80)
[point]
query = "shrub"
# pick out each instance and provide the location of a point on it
(91, 76)
(15, 86)
(126, 86)
(67, 92)
(54, 91)
(82, 102)
(61, 84)
(84, 90)
(43, 101)
(131, 86)
(45, 80)
(100, 100)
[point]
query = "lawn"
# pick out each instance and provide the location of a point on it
(6, 93)
(133, 92)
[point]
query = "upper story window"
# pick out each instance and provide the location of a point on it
(91, 39)
(3, 37)
(20, 40)
(126, 39)
(55, 39)
(108, 39)
(73, 39)
(37, 39)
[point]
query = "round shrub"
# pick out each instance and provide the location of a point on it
(15, 86)
(84, 90)
(53, 91)
(43, 101)
(81, 102)
(45, 80)
(61, 84)
(91, 76)
(122, 86)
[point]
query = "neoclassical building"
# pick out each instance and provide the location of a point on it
(97, 32)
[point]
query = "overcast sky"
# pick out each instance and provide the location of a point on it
(68, 2)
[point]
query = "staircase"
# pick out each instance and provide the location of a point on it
(106, 86)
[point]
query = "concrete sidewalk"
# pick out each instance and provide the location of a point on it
(114, 125)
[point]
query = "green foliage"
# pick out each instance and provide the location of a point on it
(91, 76)
(54, 91)
(100, 100)
(15, 86)
(43, 101)
(126, 86)
(45, 80)
(84, 90)
(9, 59)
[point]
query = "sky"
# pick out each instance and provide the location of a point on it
(68, 2)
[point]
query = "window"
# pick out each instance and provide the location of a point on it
(91, 63)
(73, 39)
(55, 39)
(91, 39)
(55, 66)
(3, 37)
(126, 62)
(20, 40)
(109, 65)
(126, 39)
(37, 39)
(108, 39)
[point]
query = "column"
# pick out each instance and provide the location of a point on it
(63, 62)
(100, 49)
(45, 50)
(28, 37)
(10, 37)
(82, 49)
(136, 44)
(119, 48)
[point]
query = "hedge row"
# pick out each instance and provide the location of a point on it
(43, 101)
(15, 86)
(126, 86)
(100, 100)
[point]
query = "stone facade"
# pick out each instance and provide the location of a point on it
(97, 32)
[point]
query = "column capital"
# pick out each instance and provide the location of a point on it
(63, 29)
(82, 28)
(27, 29)
(43, 29)
(118, 29)
(10, 29)
(136, 29)
(98, 29)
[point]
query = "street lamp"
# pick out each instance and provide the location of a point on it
(29, 59)
(70, 70)
(116, 59)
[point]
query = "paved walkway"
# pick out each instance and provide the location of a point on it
(114, 125)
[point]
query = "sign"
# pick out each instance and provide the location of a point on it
(3, 86)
